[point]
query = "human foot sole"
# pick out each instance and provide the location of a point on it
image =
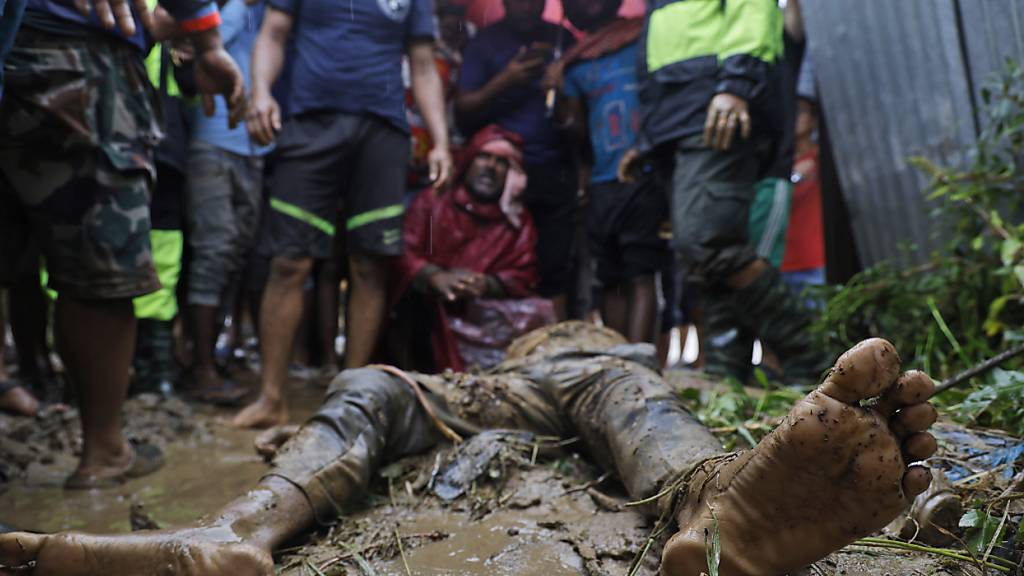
(835, 470)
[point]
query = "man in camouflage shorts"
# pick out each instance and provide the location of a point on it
(78, 125)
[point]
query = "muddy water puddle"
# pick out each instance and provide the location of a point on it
(203, 471)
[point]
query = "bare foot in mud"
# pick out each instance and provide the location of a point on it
(835, 470)
(19, 401)
(268, 442)
(263, 413)
(194, 552)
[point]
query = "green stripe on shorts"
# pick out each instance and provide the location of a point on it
(360, 220)
(303, 215)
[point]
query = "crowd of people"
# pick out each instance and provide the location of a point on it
(464, 182)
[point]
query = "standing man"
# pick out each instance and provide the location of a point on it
(223, 193)
(500, 84)
(344, 135)
(80, 178)
(707, 96)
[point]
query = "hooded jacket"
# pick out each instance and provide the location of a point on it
(695, 49)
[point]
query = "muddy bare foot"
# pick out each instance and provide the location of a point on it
(268, 442)
(194, 552)
(17, 400)
(263, 413)
(835, 470)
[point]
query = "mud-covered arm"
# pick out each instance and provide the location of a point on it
(749, 47)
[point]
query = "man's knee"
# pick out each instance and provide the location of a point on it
(290, 270)
(371, 388)
(368, 269)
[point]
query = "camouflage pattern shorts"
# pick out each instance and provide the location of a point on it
(78, 124)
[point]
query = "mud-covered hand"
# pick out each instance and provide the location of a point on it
(440, 159)
(726, 113)
(119, 12)
(217, 73)
(629, 165)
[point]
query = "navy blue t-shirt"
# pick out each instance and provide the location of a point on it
(521, 109)
(347, 56)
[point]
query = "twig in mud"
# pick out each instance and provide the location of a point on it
(351, 554)
(583, 487)
(979, 369)
(979, 475)
(603, 500)
(314, 569)
(398, 538)
(995, 537)
(1003, 565)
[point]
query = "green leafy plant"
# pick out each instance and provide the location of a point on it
(963, 304)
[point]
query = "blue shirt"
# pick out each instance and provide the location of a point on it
(520, 109)
(239, 25)
(608, 87)
(347, 56)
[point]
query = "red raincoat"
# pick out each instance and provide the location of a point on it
(453, 230)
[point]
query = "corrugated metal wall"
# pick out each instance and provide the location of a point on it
(992, 30)
(894, 84)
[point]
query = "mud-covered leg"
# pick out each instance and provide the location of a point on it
(608, 392)
(368, 417)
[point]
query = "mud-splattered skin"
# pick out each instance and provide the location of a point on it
(833, 471)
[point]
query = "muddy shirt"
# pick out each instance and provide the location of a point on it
(348, 56)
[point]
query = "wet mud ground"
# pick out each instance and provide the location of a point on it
(544, 516)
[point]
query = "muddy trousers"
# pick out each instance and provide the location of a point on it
(625, 415)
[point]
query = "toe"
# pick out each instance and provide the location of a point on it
(864, 371)
(912, 387)
(19, 548)
(916, 481)
(915, 418)
(919, 447)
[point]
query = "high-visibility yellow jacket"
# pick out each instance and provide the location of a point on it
(694, 49)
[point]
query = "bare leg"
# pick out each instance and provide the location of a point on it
(238, 541)
(98, 367)
(614, 310)
(280, 314)
(17, 399)
(643, 305)
(833, 471)
(367, 305)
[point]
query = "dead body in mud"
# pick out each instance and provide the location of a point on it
(836, 469)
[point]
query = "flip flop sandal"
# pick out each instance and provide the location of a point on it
(145, 459)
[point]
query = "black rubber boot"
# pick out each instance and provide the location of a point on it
(728, 344)
(771, 312)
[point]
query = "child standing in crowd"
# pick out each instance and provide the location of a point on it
(224, 194)
(602, 110)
